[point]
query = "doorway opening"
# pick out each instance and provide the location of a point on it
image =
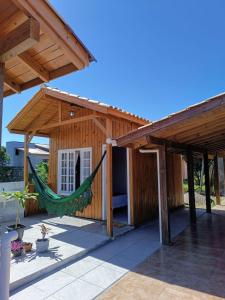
(119, 185)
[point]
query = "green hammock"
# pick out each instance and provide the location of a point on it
(58, 205)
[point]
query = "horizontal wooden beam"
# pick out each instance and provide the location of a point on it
(19, 40)
(35, 67)
(175, 145)
(67, 122)
(12, 84)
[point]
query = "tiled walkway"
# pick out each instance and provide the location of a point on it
(91, 275)
(70, 238)
(192, 269)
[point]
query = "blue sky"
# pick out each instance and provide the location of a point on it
(154, 57)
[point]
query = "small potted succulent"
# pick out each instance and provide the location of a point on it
(21, 198)
(43, 243)
(16, 248)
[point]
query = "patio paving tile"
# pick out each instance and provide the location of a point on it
(102, 276)
(79, 268)
(79, 289)
(54, 282)
(30, 293)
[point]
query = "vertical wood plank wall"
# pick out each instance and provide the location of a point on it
(145, 185)
(87, 134)
(81, 135)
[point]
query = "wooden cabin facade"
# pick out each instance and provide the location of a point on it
(80, 130)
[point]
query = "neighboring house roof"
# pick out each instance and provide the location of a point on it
(42, 146)
(35, 151)
(43, 109)
(54, 49)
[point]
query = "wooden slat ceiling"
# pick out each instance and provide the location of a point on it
(201, 125)
(43, 110)
(54, 55)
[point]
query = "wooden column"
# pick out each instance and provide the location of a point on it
(131, 185)
(26, 169)
(191, 190)
(216, 180)
(224, 173)
(163, 197)
(109, 177)
(207, 183)
(2, 71)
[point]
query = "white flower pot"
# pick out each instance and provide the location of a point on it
(42, 245)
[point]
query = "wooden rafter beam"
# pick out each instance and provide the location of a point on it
(19, 40)
(100, 126)
(13, 85)
(35, 67)
(172, 144)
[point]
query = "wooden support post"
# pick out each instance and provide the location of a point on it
(109, 178)
(2, 71)
(191, 190)
(216, 180)
(207, 183)
(163, 197)
(130, 174)
(224, 174)
(26, 151)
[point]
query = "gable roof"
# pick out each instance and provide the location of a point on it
(45, 103)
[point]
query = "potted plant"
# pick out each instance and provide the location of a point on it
(21, 198)
(16, 248)
(27, 246)
(43, 243)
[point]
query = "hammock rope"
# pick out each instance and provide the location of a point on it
(68, 205)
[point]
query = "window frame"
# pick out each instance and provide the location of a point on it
(59, 177)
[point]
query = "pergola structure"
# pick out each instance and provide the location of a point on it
(199, 129)
(36, 46)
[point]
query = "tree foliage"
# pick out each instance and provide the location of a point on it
(42, 170)
(4, 158)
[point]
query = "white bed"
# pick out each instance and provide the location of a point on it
(119, 201)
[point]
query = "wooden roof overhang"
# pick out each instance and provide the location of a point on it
(36, 45)
(49, 109)
(200, 128)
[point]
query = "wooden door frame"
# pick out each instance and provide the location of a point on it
(104, 196)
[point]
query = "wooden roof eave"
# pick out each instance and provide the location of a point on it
(191, 112)
(25, 109)
(53, 25)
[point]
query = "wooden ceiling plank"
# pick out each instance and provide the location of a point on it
(35, 67)
(12, 84)
(57, 30)
(19, 40)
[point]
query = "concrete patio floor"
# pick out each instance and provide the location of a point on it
(91, 275)
(192, 269)
(70, 238)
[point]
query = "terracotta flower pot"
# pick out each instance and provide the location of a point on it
(27, 247)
